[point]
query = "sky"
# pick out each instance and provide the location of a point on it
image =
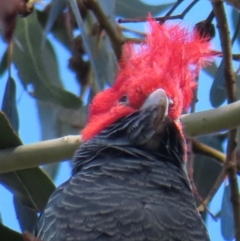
(29, 124)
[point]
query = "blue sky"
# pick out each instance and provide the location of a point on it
(29, 124)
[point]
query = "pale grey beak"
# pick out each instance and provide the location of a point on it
(157, 98)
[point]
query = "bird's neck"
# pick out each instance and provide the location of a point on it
(135, 135)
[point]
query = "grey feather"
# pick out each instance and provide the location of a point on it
(126, 185)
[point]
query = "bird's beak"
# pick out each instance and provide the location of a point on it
(157, 98)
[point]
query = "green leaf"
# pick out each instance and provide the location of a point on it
(29, 59)
(8, 137)
(136, 8)
(206, 169)
(218, 92)
(57, 7)
(32, 186)
(109, 8)
(9, 105)
(235, 20)
(211, 70)
(8, 234)
(49, 130)
(47, 112)
(105, 60)
(227, 219)
(27, 217)
(3, 64)
(59, 30)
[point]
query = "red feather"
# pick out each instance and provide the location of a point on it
(170, 59)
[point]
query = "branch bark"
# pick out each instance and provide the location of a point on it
(231, 162)
(45, 152)
(211, 121)
(33, 155)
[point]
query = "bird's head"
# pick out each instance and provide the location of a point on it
(162, 72)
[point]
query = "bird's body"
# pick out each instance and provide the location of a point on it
(129, 181)
(126, 189)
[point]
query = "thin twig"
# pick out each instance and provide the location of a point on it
(134, 31)
(203, 149)
(161, 19)
(173, 8)
(210, 17)
(234, 56)
(231, 163)
(57, 150)
(134, 40)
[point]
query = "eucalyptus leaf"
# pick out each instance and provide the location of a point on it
(3, 63)
(136, 8)
(8, 137)
(47, 112)
(211, 70)
(218, 92)
(108, 8)
(28, 58)
(27, 217)
(235, 19)
(238, 97)
(105, 60)
(85, 39)
(72, 121)
(57, 7)
(9, 234)
(59, 30)
(9, 104)
(227, 220)
(104, 56)
(206, 169)
(31, 186)
(49, 126)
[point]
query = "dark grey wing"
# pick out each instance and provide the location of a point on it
(79, 210)
(127, 199)
(128, 184)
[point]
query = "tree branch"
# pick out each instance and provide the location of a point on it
(211, 121)
(231, 162)
(33, 155)
(60, 149)
(203, 149)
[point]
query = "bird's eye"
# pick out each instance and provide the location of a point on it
(123, 99)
